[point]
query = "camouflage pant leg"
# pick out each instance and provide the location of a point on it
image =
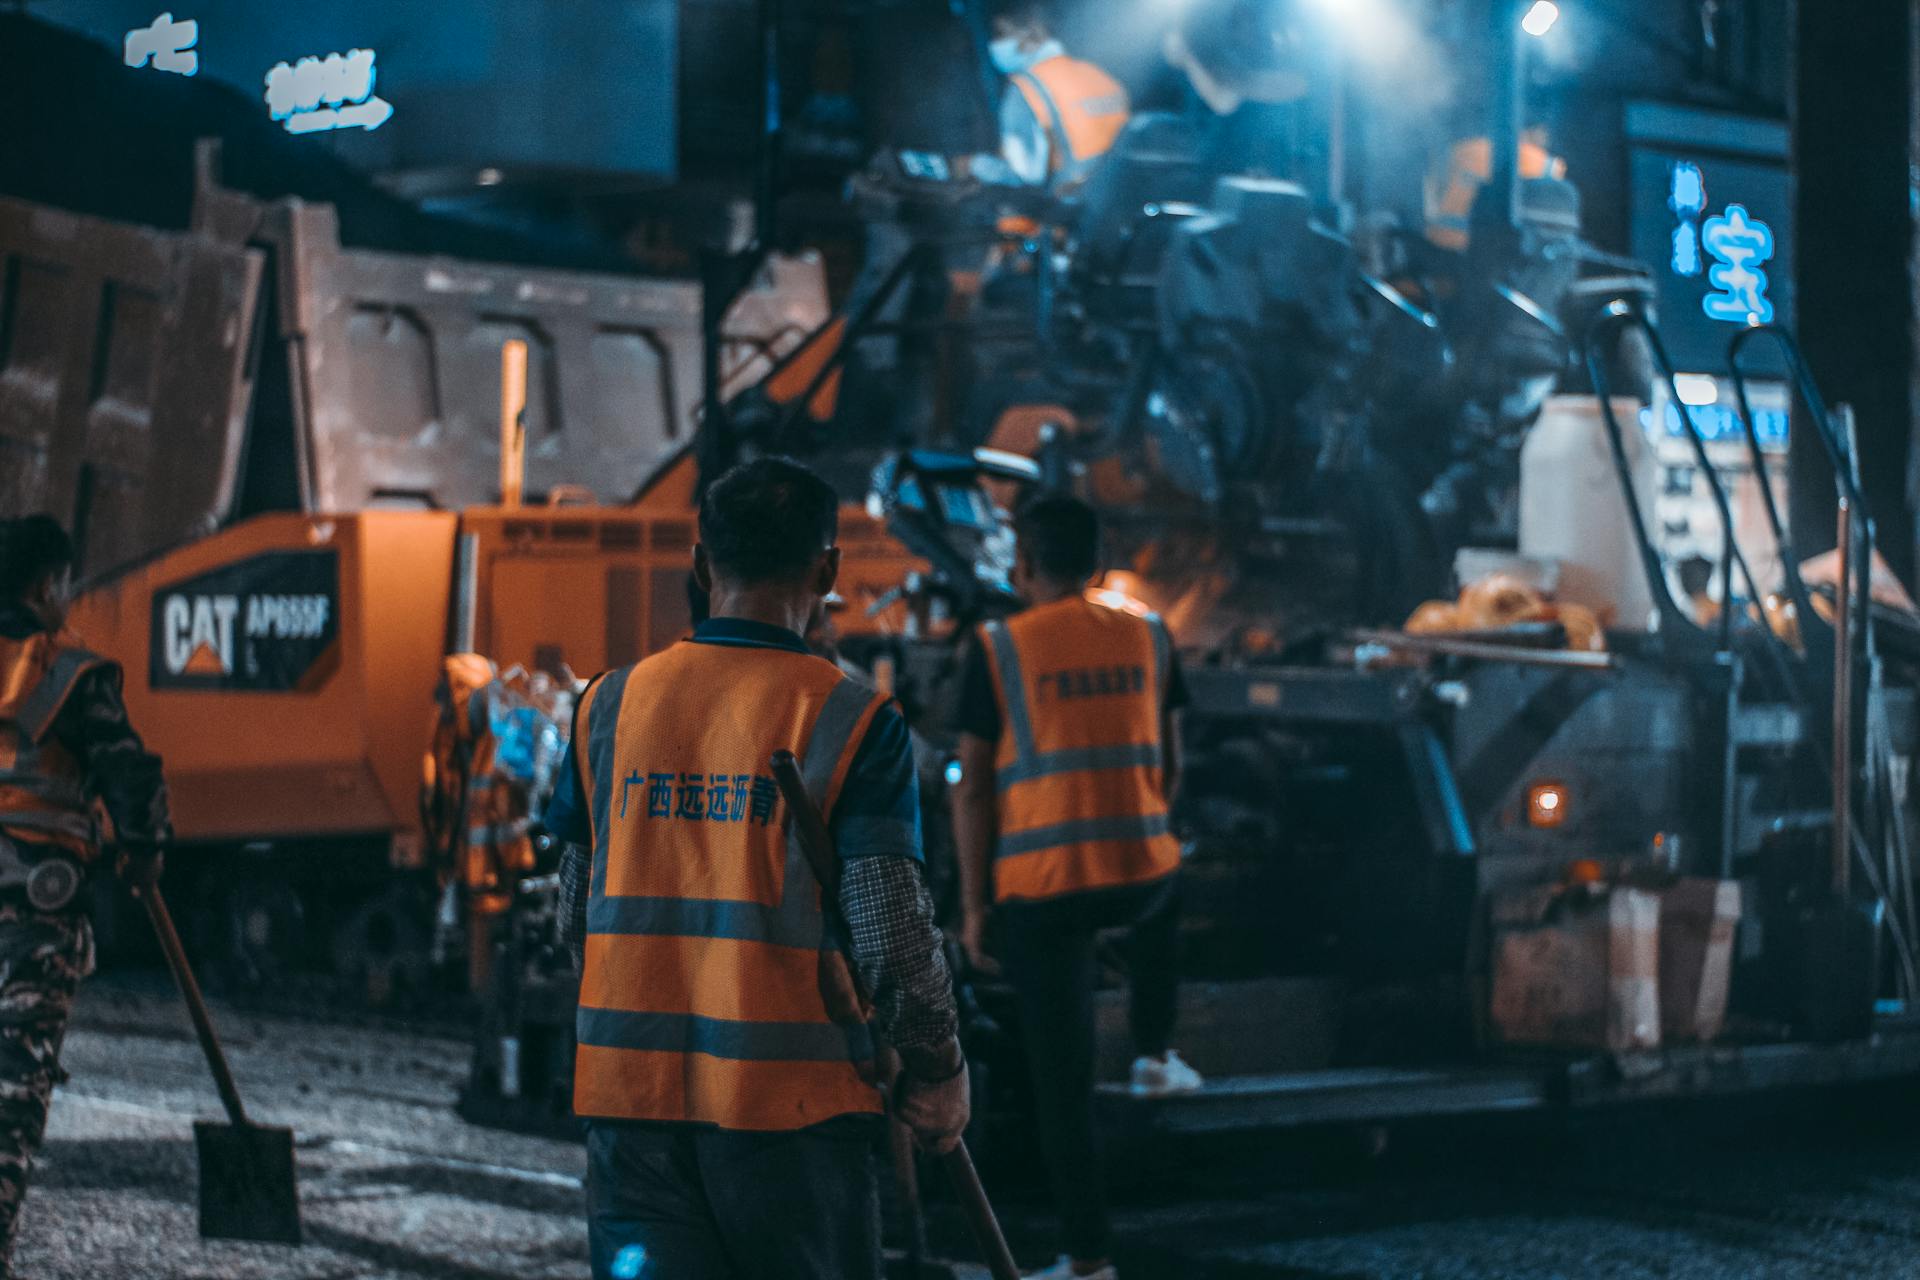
(43, 957)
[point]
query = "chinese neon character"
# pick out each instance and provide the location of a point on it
(314, 95)
(1689, 196)
(1741, 245)
(659, 795)
(1686, 250)
(165, 43)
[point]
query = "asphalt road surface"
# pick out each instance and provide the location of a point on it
(395, 1185)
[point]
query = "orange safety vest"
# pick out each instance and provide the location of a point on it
(43, 793)
(1083, 108)
(1469, 168)
(1081, 768)
(712, 992)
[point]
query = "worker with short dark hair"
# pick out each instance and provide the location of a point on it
(1069, 754)
(65, 745)
(725, 1071)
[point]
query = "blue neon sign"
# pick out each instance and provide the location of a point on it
(1687, 197)
(315, 95)
(1741, 245)
(166, 44)
(1717, 422)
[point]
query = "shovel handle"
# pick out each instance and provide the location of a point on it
(979, 1211)
(196, 1006)
(816, 843)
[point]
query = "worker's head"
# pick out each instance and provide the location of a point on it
(36, 568)
(1019, 30)
(1059, 546)
(767, 528)
(1238, 51)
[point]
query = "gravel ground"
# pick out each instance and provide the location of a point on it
(395, 1185)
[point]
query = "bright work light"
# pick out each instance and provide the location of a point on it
(1540, 18)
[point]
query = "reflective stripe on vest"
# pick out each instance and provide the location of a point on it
(712, 993)
(1083, 109)
(42, 787)
(1080, 768)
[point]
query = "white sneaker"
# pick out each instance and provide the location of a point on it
(1063, 1270)
(1158, 1077)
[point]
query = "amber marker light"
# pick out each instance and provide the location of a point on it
(1547, 805)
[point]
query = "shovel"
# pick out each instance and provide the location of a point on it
(246, 1170)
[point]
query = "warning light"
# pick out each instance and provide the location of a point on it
(1119, 591)
(1540, 18)
(1547, 805)
(956, 773)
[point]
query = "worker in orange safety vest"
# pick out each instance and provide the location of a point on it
(1452, 191)
(1060, 114)
(724, 1067)
(1068, 758)
(67, 755)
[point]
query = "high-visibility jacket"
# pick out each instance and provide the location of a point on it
(43, 794)
(1082, 108)
(712, 992)
(1469, 168)
(1081, 767)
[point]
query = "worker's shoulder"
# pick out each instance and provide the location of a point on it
(1096, 76)
(1080, 616)
(791, 667)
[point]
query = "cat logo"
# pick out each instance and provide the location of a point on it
(199, 634)
(263, 624)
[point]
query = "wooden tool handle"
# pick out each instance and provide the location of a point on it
(816, 842)
(196, 1006)
(974, 1203)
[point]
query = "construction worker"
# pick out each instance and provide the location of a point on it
(64, 744)
(1059, 114)
(1068, 755)
(1453, 190)
(725, 1072)
(1245, 73)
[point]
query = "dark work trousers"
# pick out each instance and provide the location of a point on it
(686, 1203)
(1049, 952)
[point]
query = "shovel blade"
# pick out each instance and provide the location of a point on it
(247, 1189)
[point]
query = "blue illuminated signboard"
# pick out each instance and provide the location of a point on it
(1717, 422)
(166, 44)
(315, 95)
(1712, 213)
(534, 88)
